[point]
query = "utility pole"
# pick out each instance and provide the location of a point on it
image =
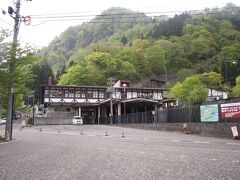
(17, 21)
(8, 130)
(110, 90)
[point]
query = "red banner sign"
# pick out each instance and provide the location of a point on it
(230, 110)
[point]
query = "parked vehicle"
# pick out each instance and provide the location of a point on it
(3, 121)
(77, 120)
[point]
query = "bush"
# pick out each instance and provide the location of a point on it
(1, 139)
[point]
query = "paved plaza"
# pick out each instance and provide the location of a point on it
(108, 152)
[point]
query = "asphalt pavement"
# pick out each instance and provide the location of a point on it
(108, 152)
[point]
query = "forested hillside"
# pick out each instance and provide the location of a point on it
(130, 45)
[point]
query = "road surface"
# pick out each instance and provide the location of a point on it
(86, 153)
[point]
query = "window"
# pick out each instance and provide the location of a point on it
(95, 94)
(101, 95)
(83, 94)
(66, 93)
(71, 94)
(46, 93)
(52, 93)
(90, 94)
(77, 94)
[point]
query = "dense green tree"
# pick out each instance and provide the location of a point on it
(184, 73)
(203, 42)
(173, 26)
(236, 89)
(124, 40)
(41, 72)
(156, 57)
(190, 91)
(22, 73)
(229, 62)
(212, 80)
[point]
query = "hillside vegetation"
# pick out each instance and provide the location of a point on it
(130, 45)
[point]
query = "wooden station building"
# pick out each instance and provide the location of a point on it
(94, 103)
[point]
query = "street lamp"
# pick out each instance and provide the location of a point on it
(110, 90)
(125, 97)
(233, 62)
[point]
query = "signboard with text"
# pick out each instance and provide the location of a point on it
(209, 113)
(231, 110)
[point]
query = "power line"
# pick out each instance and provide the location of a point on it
(114, 14)
(120, 16)
(131, 9)
(6, 22)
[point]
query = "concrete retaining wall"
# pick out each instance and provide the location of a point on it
(205, 129)
(54, 118)
(51, 121)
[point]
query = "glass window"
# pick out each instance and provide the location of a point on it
(46, 93)
(71, 94)
(101, 95)
(95, 94)
(66, 93)
(77, 94)
(90, 94)
(83, 94)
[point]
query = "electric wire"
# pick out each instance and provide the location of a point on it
(120, 16)
(6, 22)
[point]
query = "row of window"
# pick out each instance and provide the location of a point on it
(78, 94)
(99, 94)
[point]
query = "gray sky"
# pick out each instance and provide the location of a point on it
(40, 34)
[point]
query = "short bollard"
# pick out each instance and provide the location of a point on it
(123, 135)
(81, 132)
(40, 129)
(106, 133)
(59, 131)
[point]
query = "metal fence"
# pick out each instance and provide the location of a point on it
(179, 115)
(191, 114)
(171, 115)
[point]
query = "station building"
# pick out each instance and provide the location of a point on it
(95, 103)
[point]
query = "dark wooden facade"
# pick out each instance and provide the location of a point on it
(94, 95)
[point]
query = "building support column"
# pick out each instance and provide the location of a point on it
(156, 114)
(119, 109)
(99, 113)
(104, 113)
(79, 111)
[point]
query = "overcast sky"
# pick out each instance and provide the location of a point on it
(40, 34)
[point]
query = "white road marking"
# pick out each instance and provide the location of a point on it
(91, 135)
(201, 142)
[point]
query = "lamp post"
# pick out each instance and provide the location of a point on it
(232, 62)
(125, 97)
(110, 90)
